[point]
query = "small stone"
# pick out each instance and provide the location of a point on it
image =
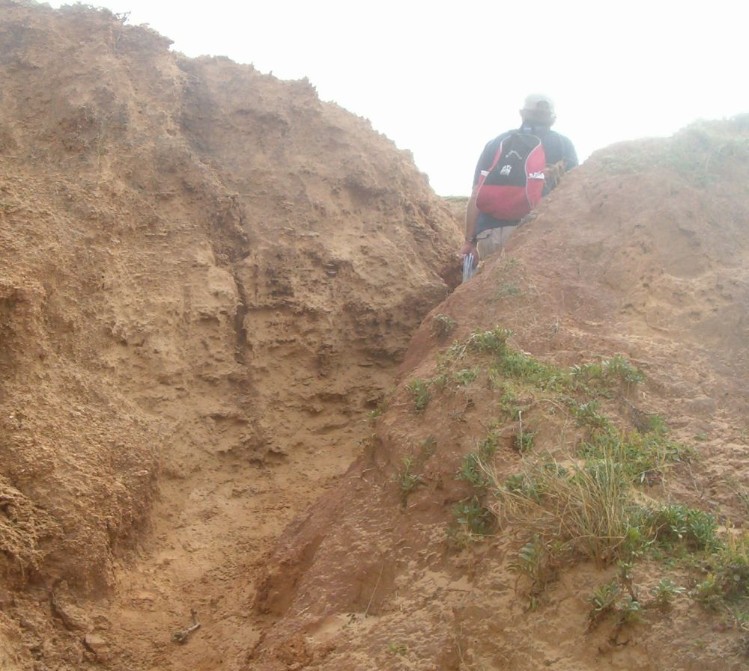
(98, 645)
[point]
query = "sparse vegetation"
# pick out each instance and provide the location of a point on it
(508, 289)
(698, 153)
(727, 569)
(472, 468)
(473, 519)
(524, 440)
(665, 592)
(378, 410)
(641, 456)
(675, 524)
(399, 649)
(419, 390)
(407, 479)
(617, 597)
(442, 326)
(537, 562)
(603, 601)
(615, 369)
(585, 507)
(465, 376)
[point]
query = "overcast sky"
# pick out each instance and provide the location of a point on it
(441, 79)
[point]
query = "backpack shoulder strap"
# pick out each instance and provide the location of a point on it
(497, 155)
(502, 139)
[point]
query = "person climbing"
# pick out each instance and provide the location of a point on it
(515, 170)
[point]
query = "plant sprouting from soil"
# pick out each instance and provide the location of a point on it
(586, 506)
(665, 592)
(419, 390)
(442, 326)
(407, 479)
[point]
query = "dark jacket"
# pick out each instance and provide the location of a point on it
(557, 148)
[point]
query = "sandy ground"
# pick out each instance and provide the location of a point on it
(215, 291)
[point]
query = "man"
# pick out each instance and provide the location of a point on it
(484, 234)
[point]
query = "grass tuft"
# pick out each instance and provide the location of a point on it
(419, 390)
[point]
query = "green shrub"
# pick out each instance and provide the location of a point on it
(728, 571)
(472, 470)
(602, 602)
(465, 376)
(407, 479)
(642, 455)
(664, 593)
(420, 394)
(616, 369)
(474, 516)
(677, 524)
(442, 326)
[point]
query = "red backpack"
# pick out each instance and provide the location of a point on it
(514, 183)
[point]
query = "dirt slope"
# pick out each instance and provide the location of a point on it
(224, 399)
(207, 278)
(642, 253)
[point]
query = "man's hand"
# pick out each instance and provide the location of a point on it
(470, 248)
(553, 174)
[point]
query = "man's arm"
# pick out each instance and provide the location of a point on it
(472, 213)
(569, 154)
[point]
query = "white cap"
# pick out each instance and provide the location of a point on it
(538, 107)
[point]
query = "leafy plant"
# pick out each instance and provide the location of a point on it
(524, 440)
(709, 593)
(675, 523)
(603, 601)
(525, 367)
(442, 326)
(609, 599)
(488, 446)
(420, 394)
(729, 568)
(509, 403)
(397, 648)
(642, 455)
(475, 468)
(589, 414)
(473, 518)
(665, 592)
(407, 479)
(465, 376)
(493, 341)
(616, 369)
(537, 561)
(471, 470)
(630, 611)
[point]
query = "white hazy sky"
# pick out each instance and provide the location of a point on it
(441, 79)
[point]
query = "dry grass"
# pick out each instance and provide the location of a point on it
(585, 510)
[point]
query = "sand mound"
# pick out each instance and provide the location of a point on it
(642, 255)
(207, 277)
(236, 389)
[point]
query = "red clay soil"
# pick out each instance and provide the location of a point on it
(215, 296)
